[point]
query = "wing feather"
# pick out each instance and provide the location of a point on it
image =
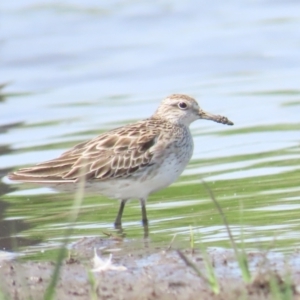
(118, 153)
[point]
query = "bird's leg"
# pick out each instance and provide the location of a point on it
(144, 212)
(118, 221)
(146, 231)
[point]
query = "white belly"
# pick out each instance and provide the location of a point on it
(142, 186)
(145, 182)
(166, 168)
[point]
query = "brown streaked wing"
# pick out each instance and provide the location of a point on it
(114, 154)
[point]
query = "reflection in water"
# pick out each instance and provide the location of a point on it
(11, 228)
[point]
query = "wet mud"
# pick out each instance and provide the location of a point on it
(152, 273)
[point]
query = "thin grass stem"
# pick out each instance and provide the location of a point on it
(50, 291)
(240, 256)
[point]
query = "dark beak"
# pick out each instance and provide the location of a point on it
(216, 118)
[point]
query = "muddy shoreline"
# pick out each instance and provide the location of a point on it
(152, 274)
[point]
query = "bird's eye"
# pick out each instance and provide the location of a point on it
(182, 105)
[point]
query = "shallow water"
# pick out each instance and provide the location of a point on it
(75, 70)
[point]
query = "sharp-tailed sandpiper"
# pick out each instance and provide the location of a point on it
(132, 161)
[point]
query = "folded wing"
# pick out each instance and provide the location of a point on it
(118, 153)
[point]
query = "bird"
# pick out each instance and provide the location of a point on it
(129, 162)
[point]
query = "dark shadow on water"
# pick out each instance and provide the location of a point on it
(9, 229)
